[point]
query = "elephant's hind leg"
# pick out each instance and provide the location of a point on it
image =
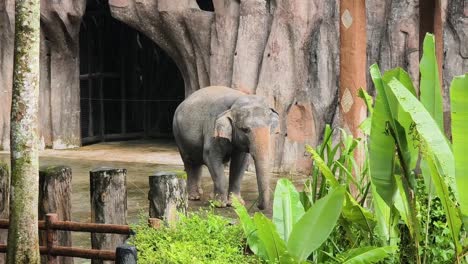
(193, 181)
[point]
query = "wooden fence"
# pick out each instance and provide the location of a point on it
(51, 225)
(108, 227)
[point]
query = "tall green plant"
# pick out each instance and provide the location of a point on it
(459, 104)
(403, 127)
(295, 233)
(308, 232)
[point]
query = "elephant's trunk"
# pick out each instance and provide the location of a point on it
(260, 151)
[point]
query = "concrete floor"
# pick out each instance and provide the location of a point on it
(141, 158)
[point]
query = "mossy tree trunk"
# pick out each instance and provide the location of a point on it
(23, 242)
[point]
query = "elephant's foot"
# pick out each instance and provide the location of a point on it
(233, 196)
(195, 194)
(219, 201)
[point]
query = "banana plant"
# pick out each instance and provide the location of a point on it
(294, 234)
(438, 155)
(459, 109)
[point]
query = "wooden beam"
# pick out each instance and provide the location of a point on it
(353, 68)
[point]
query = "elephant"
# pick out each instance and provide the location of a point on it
(217, 124)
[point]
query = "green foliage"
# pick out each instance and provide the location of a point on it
(197, 238)
(431, 96)
(459, 103)
(287, 208)
(437, 246)
(435, 151)
(316, 224)
(308, 231)
(402, 128)
(365, 255)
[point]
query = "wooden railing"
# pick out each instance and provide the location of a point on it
(51, 225)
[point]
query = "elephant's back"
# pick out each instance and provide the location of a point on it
(212, 95)
(195, 116)
(207, 102)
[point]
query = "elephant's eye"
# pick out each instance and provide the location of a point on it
(245, 129)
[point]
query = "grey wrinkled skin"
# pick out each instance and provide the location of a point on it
(218, 124)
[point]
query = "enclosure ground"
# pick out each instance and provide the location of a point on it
(141, 158)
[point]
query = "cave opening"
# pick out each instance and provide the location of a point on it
(206, 5)
(129, 87)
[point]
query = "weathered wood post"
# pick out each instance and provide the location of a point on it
(4, 205)
(108, 206)
(167, 196)
(52, 238)
(126, 254)
(55, 197)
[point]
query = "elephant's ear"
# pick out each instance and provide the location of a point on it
(274, 122)
(223, 126)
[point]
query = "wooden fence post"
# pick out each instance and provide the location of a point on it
(4, 204)
(55, 197)
(126, 254)
(108, 206)
(167, 196)
(52, 238)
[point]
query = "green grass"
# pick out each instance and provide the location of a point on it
(201, 237)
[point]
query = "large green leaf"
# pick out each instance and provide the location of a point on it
(354, 213)
(431, 96)
(453, 218)
(403, 120)
(316, 225)
(406, 210)
(459, 102)
(387, 220)
(436, 152)
(365, 126)
(287, 208)
(427, 131)
(274, 246)
(250, 230)
(366, 255)
(381, 144)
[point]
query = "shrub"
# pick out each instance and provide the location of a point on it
(201, 237)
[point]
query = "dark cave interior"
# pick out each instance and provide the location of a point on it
(129, 87)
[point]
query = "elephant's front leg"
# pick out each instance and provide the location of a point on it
(237, 169)
(215, 165)
(193, 181)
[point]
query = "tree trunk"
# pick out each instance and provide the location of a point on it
(7, 29)
(23, 241)
(284, 50)
(4, 204)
